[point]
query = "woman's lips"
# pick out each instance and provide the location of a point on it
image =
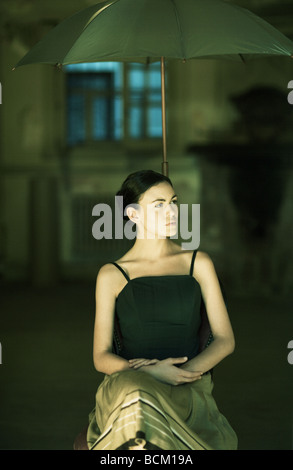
(172, 223)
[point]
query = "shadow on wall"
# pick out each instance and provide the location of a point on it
(249, 195)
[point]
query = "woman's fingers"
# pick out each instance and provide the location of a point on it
(183, 374)
(189, 376)
(177, 360)
(137, 363)
(192, 376)
(177, 376)
(133, 363)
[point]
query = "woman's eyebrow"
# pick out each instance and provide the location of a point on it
(161, 199)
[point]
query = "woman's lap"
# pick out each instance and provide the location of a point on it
(133, 403)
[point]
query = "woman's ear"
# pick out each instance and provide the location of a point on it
(132, 213)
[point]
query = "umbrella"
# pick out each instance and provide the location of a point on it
(157, 30)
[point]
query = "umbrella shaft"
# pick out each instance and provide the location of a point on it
(164, 163)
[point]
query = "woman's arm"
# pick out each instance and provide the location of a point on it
(224, 342)
(104, 360)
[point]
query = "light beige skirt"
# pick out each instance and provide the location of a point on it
(136, 411)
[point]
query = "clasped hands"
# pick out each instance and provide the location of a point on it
(166, 370)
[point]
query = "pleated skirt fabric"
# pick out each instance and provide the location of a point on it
(135, 411)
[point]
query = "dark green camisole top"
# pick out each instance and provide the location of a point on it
(159, 316)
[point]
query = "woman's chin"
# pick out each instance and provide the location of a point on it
(169, 231)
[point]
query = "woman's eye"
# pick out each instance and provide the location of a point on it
(160, 204)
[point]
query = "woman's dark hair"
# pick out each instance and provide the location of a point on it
(138, 183)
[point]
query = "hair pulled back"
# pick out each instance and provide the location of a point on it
(136, 184)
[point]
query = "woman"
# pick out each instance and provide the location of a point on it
(157, 393)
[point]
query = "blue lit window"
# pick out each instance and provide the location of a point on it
(111, 101)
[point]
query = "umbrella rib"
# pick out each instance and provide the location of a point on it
(242, 58)
(179, 28)
(92, 18)
(98, 13)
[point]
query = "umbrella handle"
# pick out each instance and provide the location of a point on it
(163, 91)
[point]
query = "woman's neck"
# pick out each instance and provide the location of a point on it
(154, 249)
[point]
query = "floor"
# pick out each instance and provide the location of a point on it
(48, 383)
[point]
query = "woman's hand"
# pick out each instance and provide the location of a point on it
(166, 370)
(137, 363)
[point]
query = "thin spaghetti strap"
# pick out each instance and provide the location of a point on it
(192, 262)
(123, 272)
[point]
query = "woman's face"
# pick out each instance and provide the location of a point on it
(157, 212)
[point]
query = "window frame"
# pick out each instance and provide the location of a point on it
(149, 143)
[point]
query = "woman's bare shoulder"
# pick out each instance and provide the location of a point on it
(108, 278)
(204, 267)
(200, 256)
(107, 270)
(203, 257)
